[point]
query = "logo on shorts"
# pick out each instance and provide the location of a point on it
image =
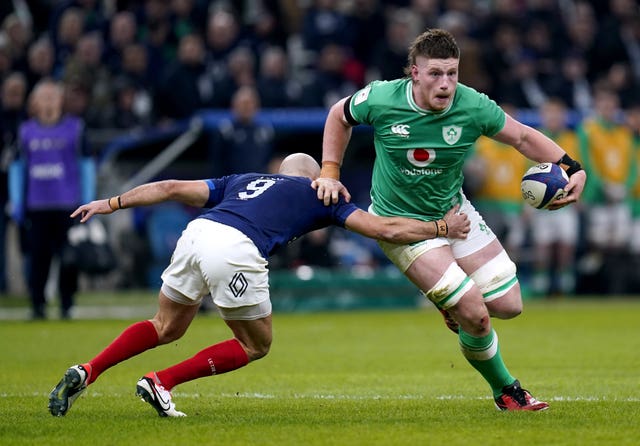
(238, 284)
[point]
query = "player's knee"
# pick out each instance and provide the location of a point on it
(169, 334)
(508, 306)
(499, 286)
(257, 349)
(472, 314)
(168, 331)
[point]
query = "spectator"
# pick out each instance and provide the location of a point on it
(241, 67)
(135, 65)
(243, 143)
(5, 57)
(390, 55)
(52, 175)
(329, 81)
(472, 72)
(93, 15)
(324, 24)
(582, 27)
(631, 35)
(428, 12)
(34, 13)
(40, 61)
(611, 44)
(370, 28)
(131, 107)
(525, 88)
(122, 32)
(620, 78)
(156, 32)
(607, 148)
(18, 36)
(137, 72)
(184, 87)
(275, 86)
(501, 54)
(67, 35)
(186, 18)
(539, 41)
(12, 113)
(86, 63)
(266, 23)
(223, 38)
(77, 96)
(571, 83)
(555, 235)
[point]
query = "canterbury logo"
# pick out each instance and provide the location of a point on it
(401, 130)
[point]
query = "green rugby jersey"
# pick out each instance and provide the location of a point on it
(419, 153)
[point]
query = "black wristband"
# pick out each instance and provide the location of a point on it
(572, 165)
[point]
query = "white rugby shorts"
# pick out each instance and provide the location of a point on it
(212, 258)
(479, 237)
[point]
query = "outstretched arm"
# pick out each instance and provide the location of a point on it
(193, 193)
(336, 136)
(407, 230)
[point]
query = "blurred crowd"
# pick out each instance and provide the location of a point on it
(141, 64)
(136, 63)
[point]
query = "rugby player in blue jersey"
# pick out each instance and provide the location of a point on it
(224, 253)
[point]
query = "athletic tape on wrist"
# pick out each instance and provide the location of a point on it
(572, 165)
(330, 169)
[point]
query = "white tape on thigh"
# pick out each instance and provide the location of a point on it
(453, 284)
(496, 277)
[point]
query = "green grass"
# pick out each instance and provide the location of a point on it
(354, 378)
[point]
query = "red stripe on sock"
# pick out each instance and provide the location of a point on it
(134, 340)
(214, 360)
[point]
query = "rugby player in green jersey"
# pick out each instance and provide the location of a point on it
(423, 126)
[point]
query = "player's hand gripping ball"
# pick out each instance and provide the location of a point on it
(542, 184)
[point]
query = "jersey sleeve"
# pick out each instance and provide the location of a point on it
(216, 191)
(491, 115)
(342, 210)
(359, 110)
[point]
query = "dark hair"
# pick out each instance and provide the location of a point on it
(433, 44)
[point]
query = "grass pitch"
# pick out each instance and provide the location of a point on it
(354, 378)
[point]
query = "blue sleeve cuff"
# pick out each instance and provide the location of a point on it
(88, 179)
(16, 187)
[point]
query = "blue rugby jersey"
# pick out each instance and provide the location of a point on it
(271, 210)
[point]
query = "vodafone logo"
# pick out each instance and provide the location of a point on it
(421, 157)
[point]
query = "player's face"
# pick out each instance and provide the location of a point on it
(434, 82)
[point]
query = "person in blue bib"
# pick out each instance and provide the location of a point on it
(223, 252)
(424, 125)
(52, 175)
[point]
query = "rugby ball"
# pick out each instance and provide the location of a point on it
(542, 184)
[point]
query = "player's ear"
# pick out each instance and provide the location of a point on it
(414, 72)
